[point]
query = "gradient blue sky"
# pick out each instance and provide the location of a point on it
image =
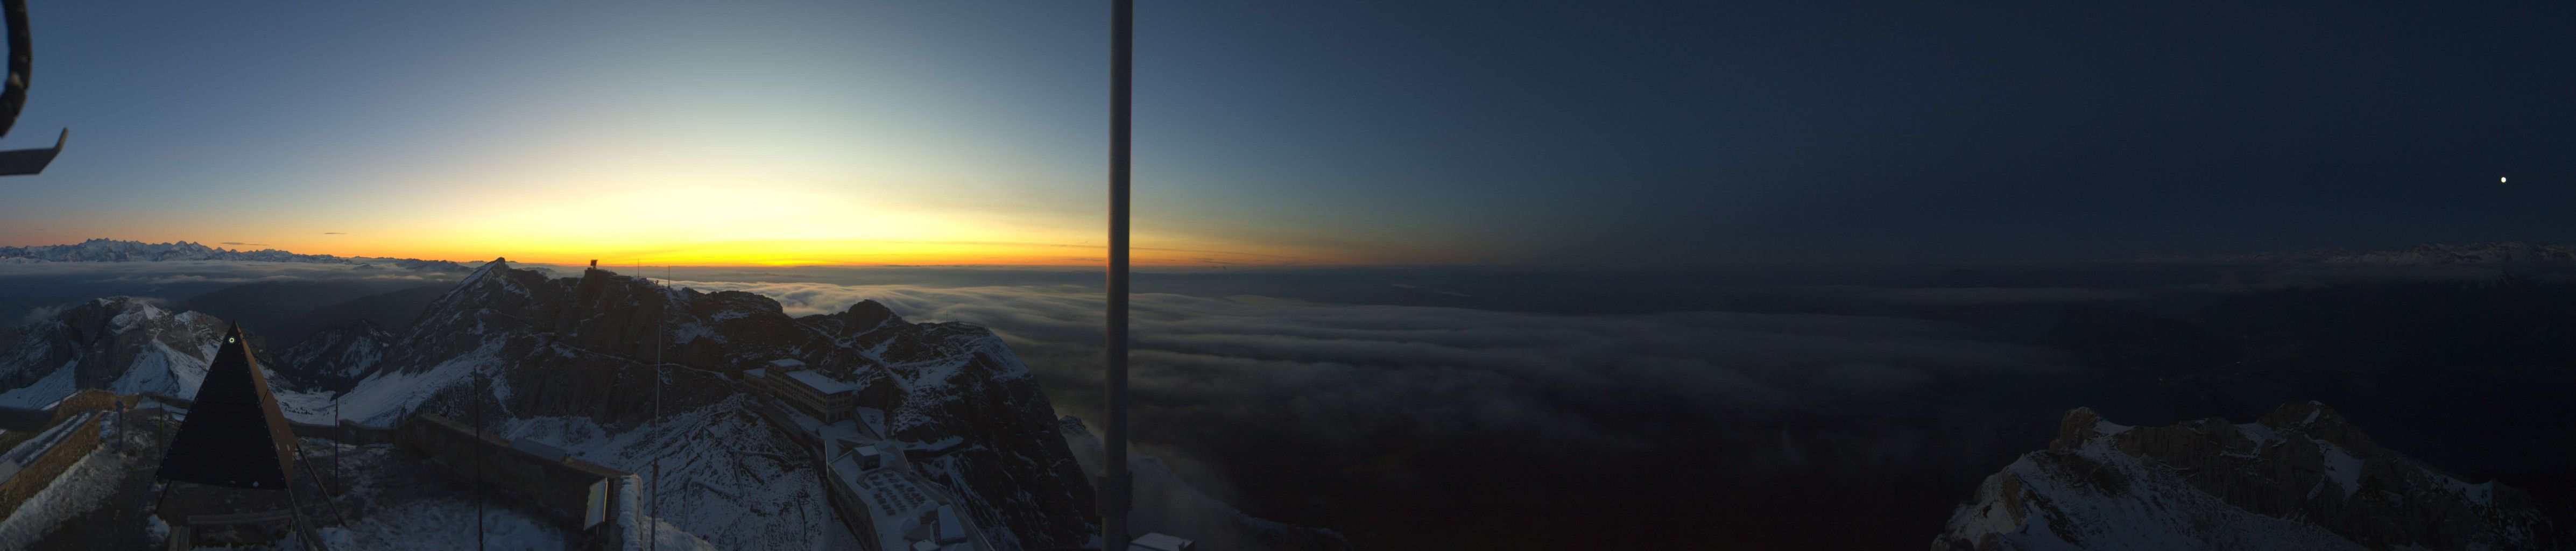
(1296, 132)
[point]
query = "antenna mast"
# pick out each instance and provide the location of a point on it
(659, 318)
(483, 388)
(1114, 483)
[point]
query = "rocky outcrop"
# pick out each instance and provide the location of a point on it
(954, 395)
(2299, 478)
(344, 352)
(124, 344)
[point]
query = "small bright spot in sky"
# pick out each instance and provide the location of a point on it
(2500, 179)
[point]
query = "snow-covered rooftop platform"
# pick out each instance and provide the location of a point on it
(820, 383)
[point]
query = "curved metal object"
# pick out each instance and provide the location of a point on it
(18, 162)
(21, 57)
(13, 97)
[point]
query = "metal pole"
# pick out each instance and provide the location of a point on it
(482, 387)
(1114, 484)
(654, 491)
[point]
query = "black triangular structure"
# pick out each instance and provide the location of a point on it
(234, 434)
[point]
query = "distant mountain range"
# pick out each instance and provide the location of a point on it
(110, 250)
(2419, 255)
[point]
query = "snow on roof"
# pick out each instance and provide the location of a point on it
(837, 431)
(871, 421)
(26, 452)
(1158, 541)
(820, 383)
(551, 453)
(950, 529)
(787, 363)
(896, 502)
(755, 373)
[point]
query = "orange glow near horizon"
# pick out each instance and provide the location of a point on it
(800, 191)
(797, 253)
(564, 211)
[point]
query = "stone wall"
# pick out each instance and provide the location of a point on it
(40, 471)
(349, 432)
(575, 491)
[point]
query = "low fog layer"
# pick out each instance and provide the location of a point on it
(1888, 390)
(35, 290)
(1373, 373)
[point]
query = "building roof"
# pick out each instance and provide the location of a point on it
(234, 434)
(905, 508)
(818, 382)
(538, 449)
(787, 363)
(951, 530)
(1158, 541)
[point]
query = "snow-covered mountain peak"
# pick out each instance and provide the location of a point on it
(498, 263)
(125, 344)
(589, 350)
(2298, 478)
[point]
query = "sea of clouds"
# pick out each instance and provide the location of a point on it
(1372, 373)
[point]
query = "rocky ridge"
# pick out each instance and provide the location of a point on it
(125, 344)
(571, 361)
(2299, 478)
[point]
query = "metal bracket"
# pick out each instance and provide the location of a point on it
(31, 161)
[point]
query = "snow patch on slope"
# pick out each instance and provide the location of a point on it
(2341, 466)
(2482, 493)
(54, 386)
(384, 398)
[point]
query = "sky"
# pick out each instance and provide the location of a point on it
(1306, 133)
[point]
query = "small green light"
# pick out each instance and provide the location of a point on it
(229, 339)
